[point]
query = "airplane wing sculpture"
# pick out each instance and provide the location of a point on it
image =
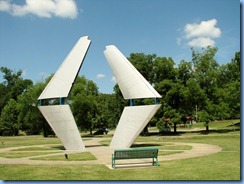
(62, 81)
(62, 122)
(131, 83)
(133, 86)
(60, 117)
(132, 121)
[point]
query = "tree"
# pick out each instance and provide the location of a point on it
(229, 82)
(205, 117)
(185, 72)
(195, 96)
(201, 83)
(4, 96)
(230, 72)
(163, 69)
(83, 103)
(176, 120)
(108, 111)
(175, 97)
(206, 69)
(9, 119)
(84, 110)
(220, 83)
(15, 84)
(173, 116)
(234, 99)
(12, 86)
(144, 64)
(29, 117)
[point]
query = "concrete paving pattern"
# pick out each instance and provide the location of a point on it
(103, 154)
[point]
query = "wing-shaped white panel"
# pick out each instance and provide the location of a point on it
(61, 120)
(131, 83)
(62, 81)
(132, 121)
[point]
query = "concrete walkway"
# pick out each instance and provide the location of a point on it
(104, 154)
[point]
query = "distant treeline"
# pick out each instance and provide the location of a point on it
(199, 87)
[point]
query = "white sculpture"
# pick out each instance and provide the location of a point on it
(133, 86)
(61, 120)
(132, 121)
(60, 117)
(131, 83)
(62, 81)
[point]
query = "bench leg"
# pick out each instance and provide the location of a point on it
(155, 163)
(113, 162)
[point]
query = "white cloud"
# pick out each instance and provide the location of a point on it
(204, 29)
(4, 6)
(41, 8)
(201, 42)
(100, 75)
(200, 35)
(66, 8)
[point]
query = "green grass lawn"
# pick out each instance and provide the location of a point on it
(220, 166)
(45, 148)
(23, 154)
(71, 157)
(224, 165)
(215, 125)
(16, 141)
(6, 142)
(161, 152)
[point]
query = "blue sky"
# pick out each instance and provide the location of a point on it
(36, 35)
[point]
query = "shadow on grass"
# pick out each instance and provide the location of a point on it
(145, 145)
(236, 124)
(134, 165)
(96, 136)
(219, 131)
(58, 147)
(91, 146)
(92, 136)
(201, 132)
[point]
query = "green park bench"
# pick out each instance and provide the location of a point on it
(135, 153)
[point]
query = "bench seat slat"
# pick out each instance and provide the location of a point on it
(135, 154)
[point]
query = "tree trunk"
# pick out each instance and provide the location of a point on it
(16, 133)
(145, 130)
(175, 127)
(45, 134)
(207, 128)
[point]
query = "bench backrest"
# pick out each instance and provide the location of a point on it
(136, 153)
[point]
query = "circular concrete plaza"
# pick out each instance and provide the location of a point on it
(103, 154)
